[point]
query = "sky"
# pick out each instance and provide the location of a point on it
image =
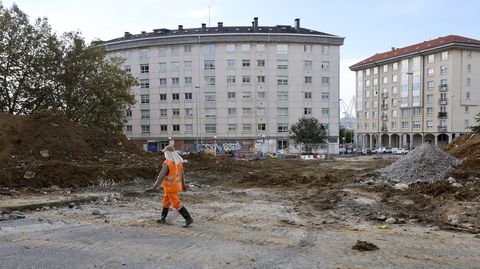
(369, 26)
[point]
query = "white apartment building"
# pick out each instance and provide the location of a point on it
(236, 85)
(424, 92)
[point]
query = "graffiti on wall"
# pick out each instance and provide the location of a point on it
(219, 147)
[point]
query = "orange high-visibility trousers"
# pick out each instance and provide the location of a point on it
(171, 198)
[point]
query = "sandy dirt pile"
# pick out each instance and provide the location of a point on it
(46, 149)
(466, 148)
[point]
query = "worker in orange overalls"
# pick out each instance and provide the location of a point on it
(172, 180)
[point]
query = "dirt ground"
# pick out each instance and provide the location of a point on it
(81, 193)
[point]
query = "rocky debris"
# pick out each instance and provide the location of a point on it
(96, 212)
(426, 163)
(44, 153)
(29, 175)
(364, 246)
(454, 219)
(391, 220)
(12, 216)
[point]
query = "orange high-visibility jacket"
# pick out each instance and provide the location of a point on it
(173, 180)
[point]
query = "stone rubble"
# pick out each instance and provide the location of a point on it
(426, 163)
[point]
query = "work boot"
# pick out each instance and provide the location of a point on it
(186, 215)
(164, 216)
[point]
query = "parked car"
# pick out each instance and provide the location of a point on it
(399, 151)
(381, 150)
(388, 150)
(366, 152)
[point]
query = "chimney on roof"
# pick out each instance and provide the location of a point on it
(297, 24)
(127, 34)
(220, 24)
(180, 27)
(393, 48)
(204, 26)
(144, 32)
(255, 24)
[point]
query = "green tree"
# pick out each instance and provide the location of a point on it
(346, 135)
(309, 132)
(476, 128)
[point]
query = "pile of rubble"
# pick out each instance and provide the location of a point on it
(426, 163)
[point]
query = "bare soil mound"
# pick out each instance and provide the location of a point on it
(467, 148)
(47, 148)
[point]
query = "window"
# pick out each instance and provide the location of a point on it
(246, 95)
(144, 53)
(307, 111)
(394, 114)
(144, 68)
(325, 80)
(282, 128)
(128, 68)
(429, 124)
(404, 124)
(144, 83)
(261, 127)
(429, 98)
(145, 129)
(230, 63)
(375, 82)
(308, 95)
(162, 52)
(230, 47)
(261, 63)
(429, 110)
(245, 47)
(394, 125)
(175, 96)
(443, 70)
(145, 114)
(260, 95)
(444, 55)
(282, 96)
(395, 66)
(175, 81)
(209, 80)
(175, 112)
(394, 90)
(367, 72)
(468, 82)
(325, 95)
(187, 64)
(246, 111)
(308, 80)
(467, 109)
(307, 48)
(431, 58)
(175, 65)
(163, 96)
(325, 65)
(375, 70)
(325, 49)
(145, 98)
(232, 127)
(231, 95)
(128, 128)
(245, 63)
(210, 97)
(163, 112)
(467, 95)
(430, 71)
(325, 111)
(208, 49)
(469, 68)
(163, 82)
(430, 84)
(210, 112)
(209, 64)
(246, 127)
(394, 78)
(230, 79)
(260, 79)
(163, 128)
(367, 83)
(466, 124)
(245, 79)
(232, 111)
(469, 54)
(261, 111)
(162, 66)
(384, 80)
(307, 64)
(282, 64)
(282, 80)
(404, 112)
(385, 68)
(188, 112)
(282, 48)
(416, 111)
(187, 49)
(282, 111)
(188, 128)
(188, 80)
(210, 128)
(443, 82)
(128, 113)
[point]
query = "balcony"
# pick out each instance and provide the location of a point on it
(384, 94)
(384, 129)
(442, 128)
(443, 101)
(384, 106)
(384, 117)
(442, 115)
(443, 88)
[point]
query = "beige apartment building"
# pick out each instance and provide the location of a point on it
(235, 86)
(428, 91)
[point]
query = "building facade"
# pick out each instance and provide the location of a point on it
(424, 92)
(229, 86)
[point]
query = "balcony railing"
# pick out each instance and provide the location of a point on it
(384, 94)
(384, 106)
(442, 128)
(443, 101)
(442, 115)
(443, 88)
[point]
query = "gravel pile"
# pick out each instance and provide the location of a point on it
(426, 163)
